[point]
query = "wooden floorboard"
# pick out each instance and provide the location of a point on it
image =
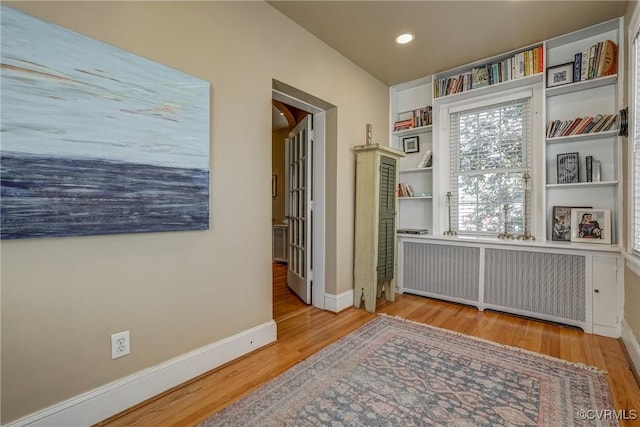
(304, 330)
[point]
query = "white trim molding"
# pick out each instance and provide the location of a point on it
(337, 303)
(631, 343)
(633, 262)
(101, 403)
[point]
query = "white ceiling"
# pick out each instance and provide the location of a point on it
(448, 33)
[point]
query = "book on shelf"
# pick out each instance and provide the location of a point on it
(479, 77)
(521, 64)
(599, 60)
(580, 125)
(413, 119)
(404, 190)
(589, 167)
(426, 160)
(413, 231)
(403, 125)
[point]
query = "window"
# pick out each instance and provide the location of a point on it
(489, 154)
(634, 133)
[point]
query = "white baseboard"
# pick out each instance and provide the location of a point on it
(338, 303)
(632, 345)
(101, 403)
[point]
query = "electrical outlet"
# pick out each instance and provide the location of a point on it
(120, 344)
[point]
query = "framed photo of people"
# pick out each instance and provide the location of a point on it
(561, 222)
(591, 225)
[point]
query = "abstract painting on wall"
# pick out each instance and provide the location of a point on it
(96, 140)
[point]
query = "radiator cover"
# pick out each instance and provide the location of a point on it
(451, 271)
(545, 283)
(540, 284)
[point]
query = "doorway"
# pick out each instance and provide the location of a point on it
(295, 106)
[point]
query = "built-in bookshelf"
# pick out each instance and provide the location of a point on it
(413, 102)
(581, 118)
(576, 116)
(573, 116)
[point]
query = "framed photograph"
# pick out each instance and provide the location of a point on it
(568, 168)
(560, 75)
(591, 225)
(274, 185)
(561, 222)
(410, 144)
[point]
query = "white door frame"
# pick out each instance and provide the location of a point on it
(319, 228)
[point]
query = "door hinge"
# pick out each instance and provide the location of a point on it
(311, 276)
(312, 134)
(312, 204)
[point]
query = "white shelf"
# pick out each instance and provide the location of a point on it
(416, 170)
(494, 88)
(413, 131)
(582, 85)
(415, 198)
(584, 184)
(582, 137)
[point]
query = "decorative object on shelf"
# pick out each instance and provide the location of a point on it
(560, 75)
(369, 133)
(449, 232)
(623, 122)
(506, 235)
(591, 225)
(527, 191)
(596, 170)
(561, 222)
(568, 168)
(411, 144)
(274, 185)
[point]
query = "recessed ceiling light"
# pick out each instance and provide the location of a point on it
(404, 38)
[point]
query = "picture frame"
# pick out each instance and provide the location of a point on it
(591, 225)
(561, 222)
(568, 168)
(411, 144)
(560, 75)
(274, 185)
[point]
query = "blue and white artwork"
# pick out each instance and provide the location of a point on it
(96, 140)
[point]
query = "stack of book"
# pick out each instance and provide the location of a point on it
(404, 190)
(520, 65)
(599, 60)
(580, 125)
(414, 119)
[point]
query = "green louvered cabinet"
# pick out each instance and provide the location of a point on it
(375, 223)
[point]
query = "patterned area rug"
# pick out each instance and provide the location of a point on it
(392, 372)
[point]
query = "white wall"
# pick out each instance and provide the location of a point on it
(178, 291)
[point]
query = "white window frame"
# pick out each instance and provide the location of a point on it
(442, 152)
(633, 250)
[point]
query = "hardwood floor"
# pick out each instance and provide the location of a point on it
(303, 330)
(285, 302)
